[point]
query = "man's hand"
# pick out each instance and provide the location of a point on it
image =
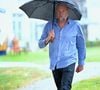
(79, 68)
(50, 37)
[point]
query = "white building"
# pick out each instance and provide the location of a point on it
(93, 7)
(14, 22)
(17, 24)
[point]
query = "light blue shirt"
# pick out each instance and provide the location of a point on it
(68, 45)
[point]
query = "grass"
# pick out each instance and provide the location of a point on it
(90, 84)
(93, 54)
(13, 78)
(41, 56)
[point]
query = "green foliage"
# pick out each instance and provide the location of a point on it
(93, 54)
(42, 57)
(13, 78)
(92, 43)
(90, 84)
(39, 56)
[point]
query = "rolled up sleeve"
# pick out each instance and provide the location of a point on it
(44, 35)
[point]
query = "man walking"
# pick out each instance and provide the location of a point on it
(66, 46)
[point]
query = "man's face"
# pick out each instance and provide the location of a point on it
(61, 12)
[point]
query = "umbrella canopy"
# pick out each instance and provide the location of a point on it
(45, 9)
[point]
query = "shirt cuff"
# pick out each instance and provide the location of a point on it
(42, 44)
(81, 62)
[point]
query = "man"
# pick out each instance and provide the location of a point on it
(66, 45)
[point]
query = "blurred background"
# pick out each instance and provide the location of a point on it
(19, 37)
(14, 23)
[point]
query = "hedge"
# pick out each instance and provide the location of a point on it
(92, 43)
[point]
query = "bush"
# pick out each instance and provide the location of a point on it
(92, 43)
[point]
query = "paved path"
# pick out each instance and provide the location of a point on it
(90, 70)
(23, 64)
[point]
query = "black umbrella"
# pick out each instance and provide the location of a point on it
(45, 9)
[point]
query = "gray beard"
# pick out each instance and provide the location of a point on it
(62, 19)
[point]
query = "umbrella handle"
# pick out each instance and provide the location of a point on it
(53, 14)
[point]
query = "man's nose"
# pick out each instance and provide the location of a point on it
(60, 11)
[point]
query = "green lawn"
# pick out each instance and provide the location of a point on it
(41, 56)
(93, 54)
(13, 78)
(22, 76)
(90, 84)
